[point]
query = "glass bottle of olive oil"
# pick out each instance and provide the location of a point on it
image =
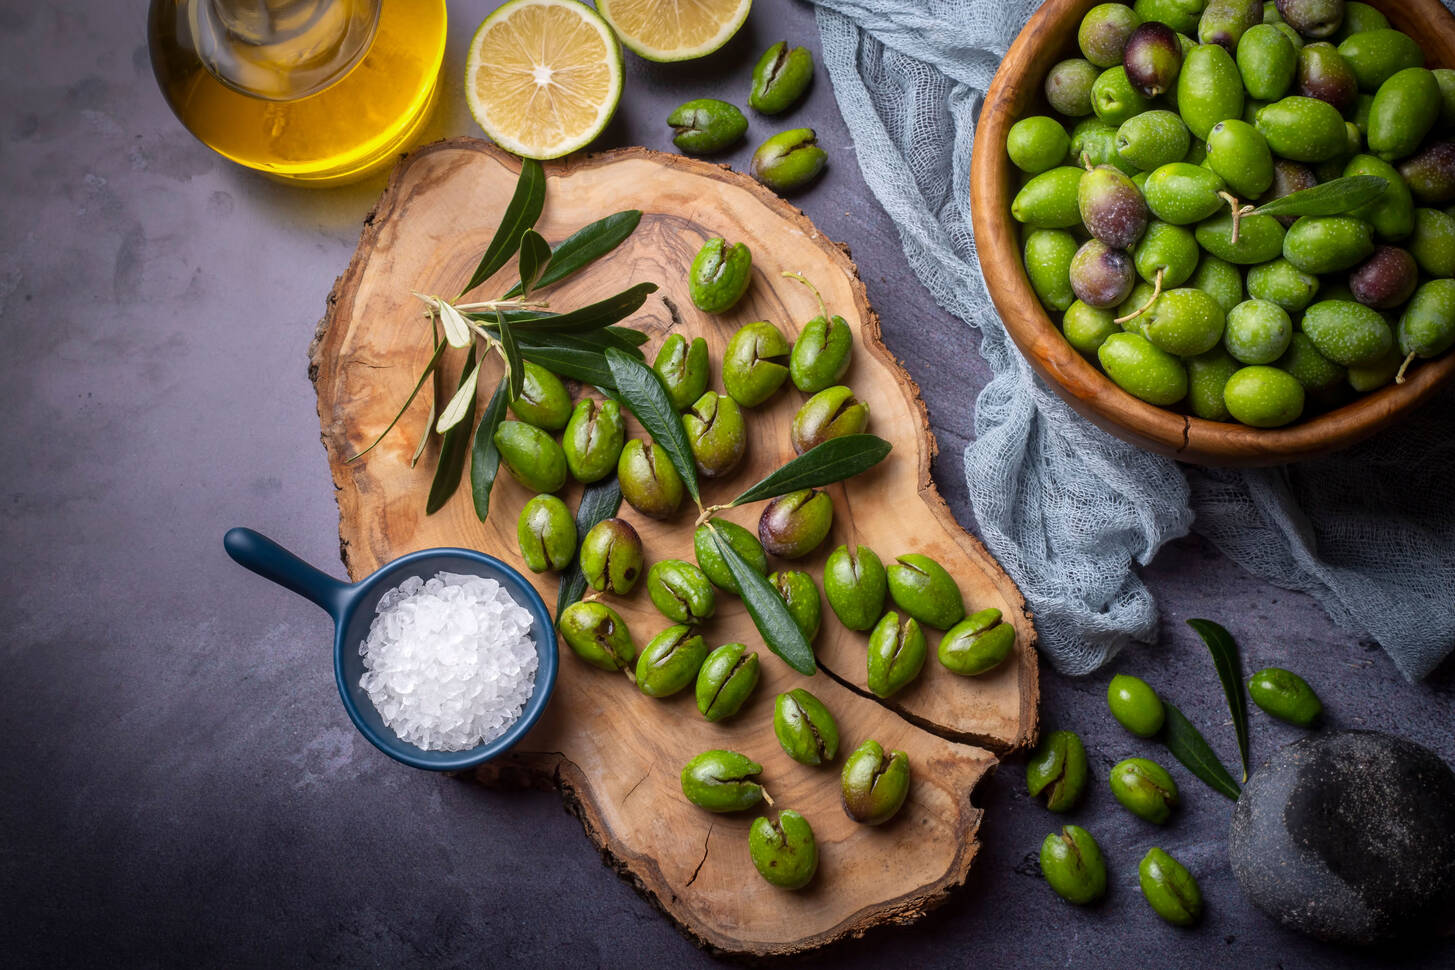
(310, 91)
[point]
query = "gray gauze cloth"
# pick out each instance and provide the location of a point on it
(1068, 509)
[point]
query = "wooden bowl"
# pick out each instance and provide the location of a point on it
(1016, 92)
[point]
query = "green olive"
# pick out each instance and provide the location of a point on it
(896, 654)
(794, 525)
(543, 401)
(704, 126)
(855, 583)
(670, 662)
(977, 644)
(598, 635)
(719, 275)
(742, 541)
(726, 681)
(1285, 695)
(717, 433)
(683, 368)
(831, 413)
(1144, 788)
(611, 557)
(1072, 863)
(800, 595)
(821, 354)
(874, 786)
(780, 78)
(755, 363)
(1058, 768)
(923, 589)
(789, 160)
(1135, 705)
(593, 440)
(1170, 889)
(722, 781)
(546, 534)
(681, 591)
(648, 481)
(805, 728)
(531, 456)
(783, 850)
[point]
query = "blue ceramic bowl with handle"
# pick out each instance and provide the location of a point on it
(352, 607)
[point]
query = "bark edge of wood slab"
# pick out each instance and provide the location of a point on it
(601, 747)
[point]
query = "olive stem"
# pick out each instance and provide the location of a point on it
(767, 797)
(1156, 292)
(1399, 377)
(1238, 211)
(823, 311)
(709, 512)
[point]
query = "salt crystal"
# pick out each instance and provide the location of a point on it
(449, 663)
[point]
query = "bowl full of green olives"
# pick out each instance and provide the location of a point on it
(1121, 157)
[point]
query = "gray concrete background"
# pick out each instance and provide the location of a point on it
(181, 786)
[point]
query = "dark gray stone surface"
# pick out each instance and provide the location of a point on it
(182, 787)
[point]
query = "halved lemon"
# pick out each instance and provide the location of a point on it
(543, 77)
(675, 30)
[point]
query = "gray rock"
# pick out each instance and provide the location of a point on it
(1349, 836)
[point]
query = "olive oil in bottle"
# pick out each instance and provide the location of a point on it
(309, 91)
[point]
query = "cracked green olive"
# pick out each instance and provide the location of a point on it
(1144, 788)
(1135, 705)
(800, 595)
(831, 413)
(896, 654)
(780, 78)
(719, 275)
(717, 433)
(755, 363)
(593, 440)
(744, 542)
(977, 644)
(1169, 888)
(783, 849)
(789, 160)
(611, 557)
(598, 635)
(726, 681)
(670, 662)
(648, 481)
(874, 786)
(1072, 863)
(722, 781)
(1285, 695)
(805, 728)
(531, 456)
(703, 126)
(855, 584)
(683, 368)
(794, 525)
(821, 354)
(543, 401)
(681, 591)
(546, 534)
(923, 589)
(1058, 768)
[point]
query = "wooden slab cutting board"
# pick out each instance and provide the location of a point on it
(616, 754)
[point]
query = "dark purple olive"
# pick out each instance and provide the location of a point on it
(1112, 207)
(1431, 173)
(1152, 58)
(1288, 177)
(1385, 280)
(1324, 74)
(1101, 276)
(1104, 31)
(1312, 18)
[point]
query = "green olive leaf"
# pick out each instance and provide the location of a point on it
(453, 449)
(514, 367)
(583, 247)
(484, 456)
(1224, 650)
(520, 214)
(464, 399)
(1330, 198)
(768, 610)
(634, 337)
(535, 252)
(429, 368)
(1189, 747)
(833, 461)
(599, 502)
(594, 316)
(457, 328)
(642, 392)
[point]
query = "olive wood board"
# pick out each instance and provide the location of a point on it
(615, 753)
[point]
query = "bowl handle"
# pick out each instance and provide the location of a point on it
(255, 551)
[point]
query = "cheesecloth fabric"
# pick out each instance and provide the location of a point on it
(1069, 510)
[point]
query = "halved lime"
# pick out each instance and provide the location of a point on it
(674, 30)
(543, 77)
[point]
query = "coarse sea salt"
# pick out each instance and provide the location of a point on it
(449, 662)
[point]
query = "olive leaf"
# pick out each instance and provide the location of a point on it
(1327, 198)
(434, 399)
(634, 337)
(457, 328)
(594, 316)
(514, 367)
(484, 456)
(833, 461)
(599, 502)
(642, 392)
(434, 360)
(452, 451)
(583, 247)
(1189, 747)
(1224, 650)
(464, 399)
(770, 614)
(535, 252)
(520, 214)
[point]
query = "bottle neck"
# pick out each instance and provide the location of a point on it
(282, 50)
